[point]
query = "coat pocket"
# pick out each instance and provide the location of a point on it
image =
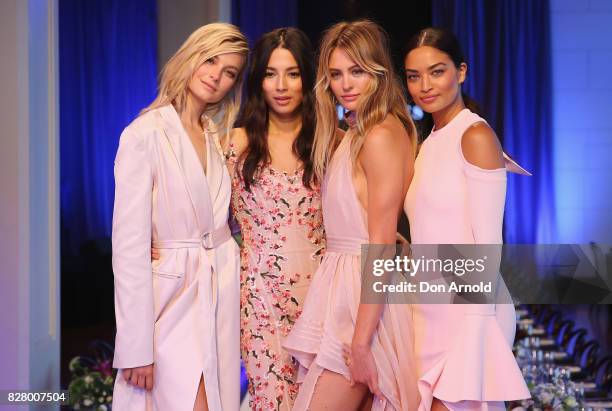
(167, 289)
(171, 264)
(167, 275)
(168, 280)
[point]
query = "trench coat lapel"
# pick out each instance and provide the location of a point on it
(216, 169)
(191, 168)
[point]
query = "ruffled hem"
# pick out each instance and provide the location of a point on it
(480, 366)
(327, 323)
(328, 356)
(302, 343)
(307, 346)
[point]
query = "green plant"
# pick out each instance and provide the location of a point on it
(91, 386)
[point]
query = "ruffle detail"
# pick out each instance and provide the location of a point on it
(312, 338)
(479, 366)
(327, 323)
(309, 343)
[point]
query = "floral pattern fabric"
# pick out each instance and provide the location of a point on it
(282, 232)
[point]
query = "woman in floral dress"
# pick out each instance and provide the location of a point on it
(276, 201)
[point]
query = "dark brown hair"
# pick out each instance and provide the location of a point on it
(255, 116)
(445, 41)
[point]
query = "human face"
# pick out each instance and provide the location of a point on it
(433, 80)
(282, 83)
(348, 81)
(215, 77)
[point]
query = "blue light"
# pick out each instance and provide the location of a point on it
(416, 112)
(340, 111)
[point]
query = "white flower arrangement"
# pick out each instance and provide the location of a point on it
(91, 387)
(551, 397)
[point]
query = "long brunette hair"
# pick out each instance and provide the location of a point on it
(255, 115)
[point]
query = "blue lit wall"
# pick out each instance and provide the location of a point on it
(582, 93)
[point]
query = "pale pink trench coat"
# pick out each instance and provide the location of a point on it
(180, 312)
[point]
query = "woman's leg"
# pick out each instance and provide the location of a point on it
(438, 405)
(366, 403)
(334, 392)
(201, 403)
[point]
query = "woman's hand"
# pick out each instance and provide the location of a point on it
(141, 377)
(155, 254)
(360, 361)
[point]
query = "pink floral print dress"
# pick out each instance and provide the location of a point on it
(282, 231)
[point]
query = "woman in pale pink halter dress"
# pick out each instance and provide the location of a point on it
(338, 340)
(463, 353)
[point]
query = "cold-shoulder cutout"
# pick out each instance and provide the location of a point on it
(480, 148)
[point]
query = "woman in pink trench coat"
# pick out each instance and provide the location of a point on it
(180, 313)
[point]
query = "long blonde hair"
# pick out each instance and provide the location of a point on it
(205, 43)
(367, 44)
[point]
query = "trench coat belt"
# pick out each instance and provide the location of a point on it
(208, 304)
(209, 240)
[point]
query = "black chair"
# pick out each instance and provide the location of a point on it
(588, 357)
(539, 312)
(552, 323)
(603, 373)
(536, 311)
(603, 380)
(565, 328)
(575, 342)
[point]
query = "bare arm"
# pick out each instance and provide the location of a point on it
(385, 153)
(485, 177)
(383, 158)
(486, 183)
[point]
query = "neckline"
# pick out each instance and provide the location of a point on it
(183, 131)
(293, 173)
(446, 126)
(204, 167)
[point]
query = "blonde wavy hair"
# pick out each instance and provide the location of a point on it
(367, 44)
(205, 43)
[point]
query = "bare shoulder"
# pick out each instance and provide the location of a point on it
(386, 147)
(388, 134)
(239, 139)
(480, 147)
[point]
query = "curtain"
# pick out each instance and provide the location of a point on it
(108, 70)
(508, 51)
(256, 17)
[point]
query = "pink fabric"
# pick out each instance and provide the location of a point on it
(463, 352)
(181, 311)
(282, 233)
(330, 310)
